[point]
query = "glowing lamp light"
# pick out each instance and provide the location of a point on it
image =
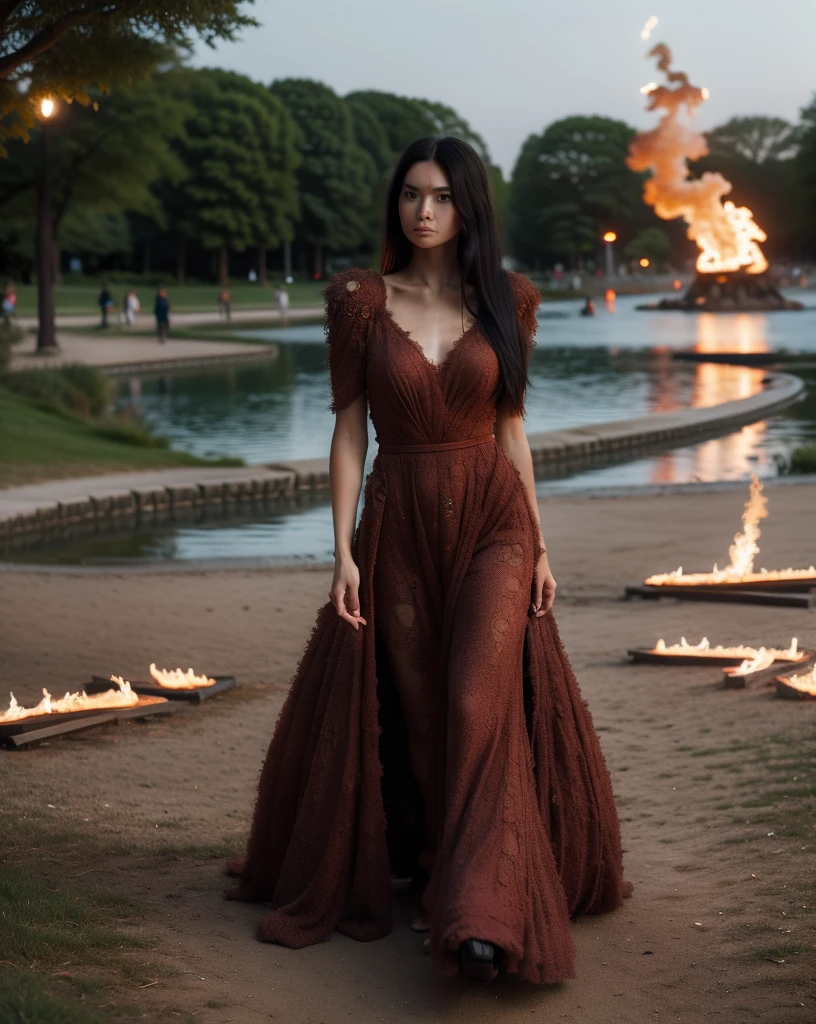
(610, 236)
(677, 285)
(609, 295)
(644, 262)
(47, 107)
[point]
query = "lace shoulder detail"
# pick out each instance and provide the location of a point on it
(351, 297)
(527, 298)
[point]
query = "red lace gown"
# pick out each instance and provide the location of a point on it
(521, 833)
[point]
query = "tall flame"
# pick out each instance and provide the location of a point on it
(742, 552)
(727, 235)
(122, 697)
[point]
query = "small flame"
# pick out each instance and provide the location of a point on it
(704, 649)
(727, 235)
(742, 552)
(648, 27)
(649, 87)
(122, 697)
(175, 679)
(806, 682)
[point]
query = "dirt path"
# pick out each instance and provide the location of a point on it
(715, 788)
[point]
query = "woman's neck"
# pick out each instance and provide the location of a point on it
(438, 268)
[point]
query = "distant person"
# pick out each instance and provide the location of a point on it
(132, 307)
(224, 302)
(161, 310)
(105, 302)
(282, 298)
(589, 308)
(9, 302)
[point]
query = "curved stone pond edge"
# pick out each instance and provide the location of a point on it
(61, 509)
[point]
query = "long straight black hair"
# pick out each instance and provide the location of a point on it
(479, 250)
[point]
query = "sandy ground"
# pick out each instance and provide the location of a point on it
(721, 922)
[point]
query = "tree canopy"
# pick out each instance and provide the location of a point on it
(569, 185)
(239, 149)
(66, 48)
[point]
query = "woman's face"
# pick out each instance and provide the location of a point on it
(426, 209)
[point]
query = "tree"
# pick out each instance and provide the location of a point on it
(569, 185)
(756, 155)
(67, 48)
(756, 139)
(239, 151)
(651, 243)
(99, 158)
(337, 179)
(805, 179)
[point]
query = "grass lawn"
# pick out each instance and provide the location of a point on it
(36, 444)
(81, 297)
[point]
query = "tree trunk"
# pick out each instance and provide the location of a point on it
(262, 266)
(46, 333)
(181, 261)
(223, 266)
(318, 261)
(57, 272)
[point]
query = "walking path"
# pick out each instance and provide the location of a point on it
(129, 354)
(100, 501)
(144, 322)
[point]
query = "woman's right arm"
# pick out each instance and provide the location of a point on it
(349, 446)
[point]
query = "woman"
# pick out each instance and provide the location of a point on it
(434, 727)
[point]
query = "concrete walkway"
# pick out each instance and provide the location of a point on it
(145, 322)
(128, 354)
(101, 501)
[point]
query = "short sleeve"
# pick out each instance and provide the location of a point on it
(349, 312)
(527, 299)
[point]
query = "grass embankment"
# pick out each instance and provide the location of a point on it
(81, 297)
(41, 442)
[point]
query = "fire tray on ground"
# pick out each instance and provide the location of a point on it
(784, 689)
(653, 657)
(99, 684)
(793, 594)
(733, 681)
(41, 727)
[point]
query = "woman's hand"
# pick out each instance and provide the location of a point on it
(344, 593)
(544, 587)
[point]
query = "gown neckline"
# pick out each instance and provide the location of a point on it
(436, 367)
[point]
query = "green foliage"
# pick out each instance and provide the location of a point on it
(756, 155)
(569, 185)
(651, 243)
(239, 151)
(103, 162)
(803, 460)
(337, 178)
(804, 171)
(124, 431)
(10, 335)
(68, 48)
(756, 139)
(76, 389)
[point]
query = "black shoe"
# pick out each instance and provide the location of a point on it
(478, 960)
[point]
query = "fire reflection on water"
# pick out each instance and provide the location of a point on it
(739, 453)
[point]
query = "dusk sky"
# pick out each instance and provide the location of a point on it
(512, 67)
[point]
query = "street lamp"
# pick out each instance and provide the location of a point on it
(46, 335)
(609, 238)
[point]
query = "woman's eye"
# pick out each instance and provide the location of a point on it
(410, 195)
(444, 196)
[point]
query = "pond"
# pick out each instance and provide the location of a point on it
(583, 370)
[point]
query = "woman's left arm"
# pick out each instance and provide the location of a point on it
(511, 436)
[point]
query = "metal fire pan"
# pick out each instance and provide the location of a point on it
(40, 727)
(788, 599)
(99, 684)
(732, 681)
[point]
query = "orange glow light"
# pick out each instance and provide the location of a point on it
(677, 285)
(610, 236)
(644, 262)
